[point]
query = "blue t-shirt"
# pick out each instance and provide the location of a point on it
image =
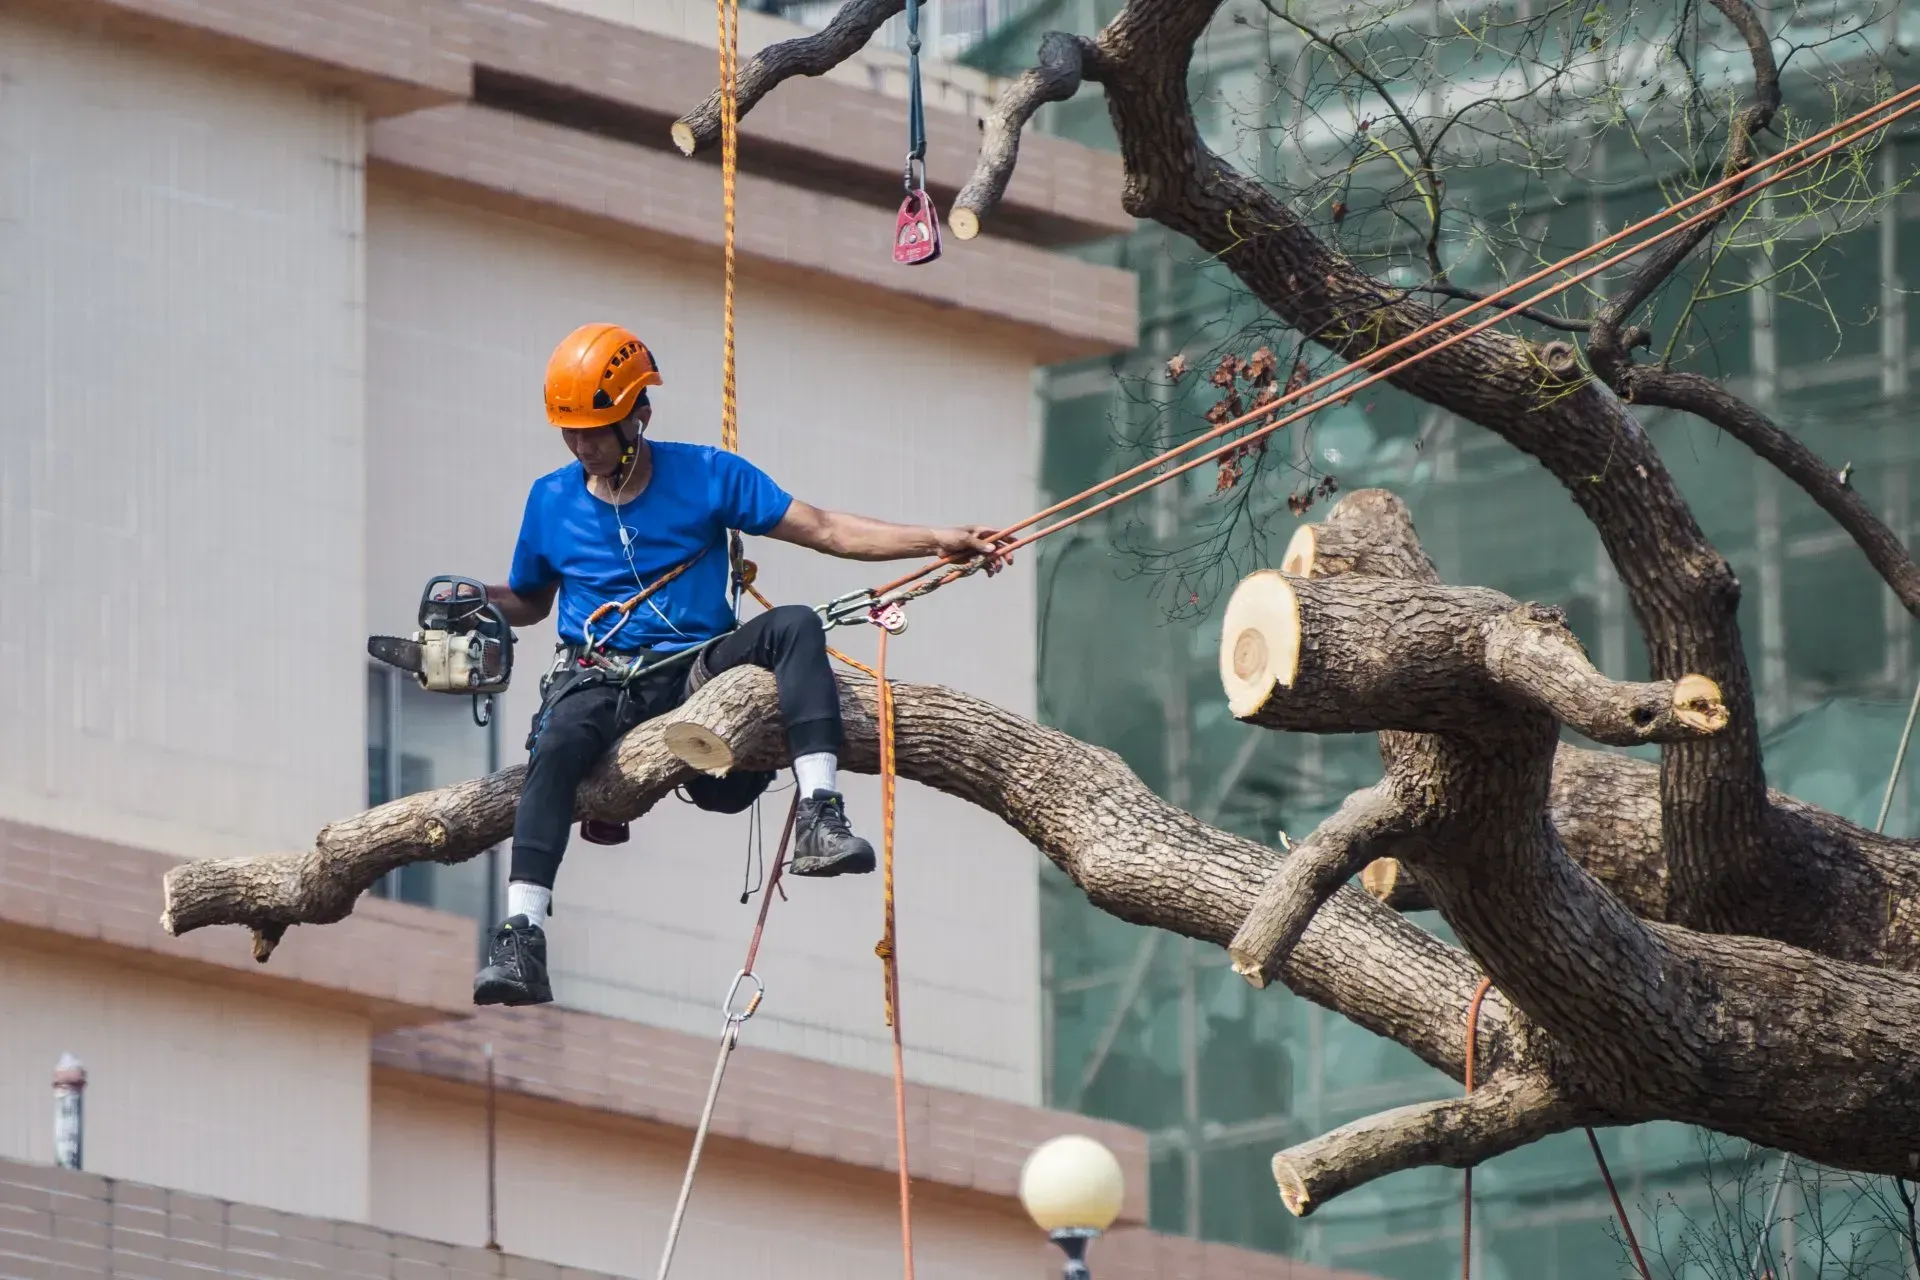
(695, 495)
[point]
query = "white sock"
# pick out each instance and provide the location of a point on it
(816, 771)
(530, 900)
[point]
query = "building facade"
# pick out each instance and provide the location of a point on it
(277, 285)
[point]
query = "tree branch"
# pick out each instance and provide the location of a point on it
(1498, 1117)
(1356, 654)
(1064, 61)
(1134, 855)
(1308, 876)
(1821, 882)
(1610, 343)
(1708, 400)
(1447, 289)
(809, 55)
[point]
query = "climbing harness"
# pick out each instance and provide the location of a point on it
(1593, 1141)
(916, 231)
(748, 982)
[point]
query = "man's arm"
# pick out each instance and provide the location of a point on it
(852, 537)
(522, 611)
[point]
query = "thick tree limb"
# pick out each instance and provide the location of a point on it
(1064, 61)
(809, 55)
(1459, 1133)
(1312, 870)
(1359, 654)
(1135, 856)
(1828, 886)
(1708, 400)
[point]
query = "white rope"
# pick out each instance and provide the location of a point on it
(728, 1039)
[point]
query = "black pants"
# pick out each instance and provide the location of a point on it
(576, 725)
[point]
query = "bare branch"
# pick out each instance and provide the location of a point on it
(1312, 870)
(1459, 1133)
(1707, 399)
(810, 55)
(1064, 61)
(1611, 343)
(1447, 289)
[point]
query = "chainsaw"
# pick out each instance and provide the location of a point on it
(464, 644)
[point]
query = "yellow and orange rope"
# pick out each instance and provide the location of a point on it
(727, 18)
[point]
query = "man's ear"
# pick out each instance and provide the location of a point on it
(645, 414)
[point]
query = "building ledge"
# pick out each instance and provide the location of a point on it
(81, 1224)
(69, 1223)
(573, 68)
(392, 57)
(770, 1100)
(615, 79)
(1055, 307)
(396, 964)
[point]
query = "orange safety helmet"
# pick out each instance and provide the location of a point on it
(596, 375)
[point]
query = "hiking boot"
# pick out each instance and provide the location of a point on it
(516, 971)
(823, 844)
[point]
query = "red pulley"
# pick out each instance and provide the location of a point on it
(916, 232)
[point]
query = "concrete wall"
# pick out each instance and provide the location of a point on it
(848, 408)
(180, 447)
(947, 86)
(600, 1195)
(205, 1089)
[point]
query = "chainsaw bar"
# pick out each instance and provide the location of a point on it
(408, 655)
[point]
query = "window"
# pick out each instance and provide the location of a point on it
(417, 741)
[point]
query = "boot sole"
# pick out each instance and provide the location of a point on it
(854, 864)
(509, 995)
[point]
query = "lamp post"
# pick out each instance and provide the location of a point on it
(1072, 1187)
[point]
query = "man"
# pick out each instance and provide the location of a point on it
(626, 515)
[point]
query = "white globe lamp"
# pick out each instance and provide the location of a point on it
(1072, 1187)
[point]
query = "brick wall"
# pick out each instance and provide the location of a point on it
(61, 1225)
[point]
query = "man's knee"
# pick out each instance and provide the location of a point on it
(572, 730)
(796, 628)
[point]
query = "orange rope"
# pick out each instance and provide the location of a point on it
(1619, 1210)
(1458, 336)
(727, 14)
(887, 952)
(634, 601)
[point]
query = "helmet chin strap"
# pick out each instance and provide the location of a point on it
(628, 449)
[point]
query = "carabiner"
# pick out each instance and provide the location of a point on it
(734, 1017)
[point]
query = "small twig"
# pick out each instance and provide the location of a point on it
(1447, 289)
